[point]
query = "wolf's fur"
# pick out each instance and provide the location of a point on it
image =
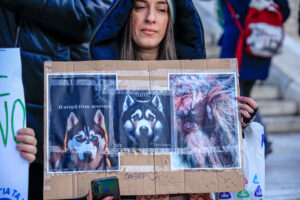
(205, 122)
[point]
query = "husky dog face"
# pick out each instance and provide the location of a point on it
(86, 141)
(142, 121)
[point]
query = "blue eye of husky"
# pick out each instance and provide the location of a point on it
(95, 138)
(78, 138)
(151, 118)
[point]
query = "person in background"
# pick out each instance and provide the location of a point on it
(57, 30)
(252, 68)
(156, 30)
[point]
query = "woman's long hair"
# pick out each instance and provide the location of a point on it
(167, 51)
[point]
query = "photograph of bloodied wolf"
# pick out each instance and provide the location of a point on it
(78, 128)
(206, 121)
(142, 120)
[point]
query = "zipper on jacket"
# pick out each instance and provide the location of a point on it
(104, 19)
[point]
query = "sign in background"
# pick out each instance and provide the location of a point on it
(13, 168)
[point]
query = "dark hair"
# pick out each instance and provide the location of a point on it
(167, 49)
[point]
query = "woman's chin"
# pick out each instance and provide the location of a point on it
(149, 45)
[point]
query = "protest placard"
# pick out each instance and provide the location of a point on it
(160, 127)
(13, 168)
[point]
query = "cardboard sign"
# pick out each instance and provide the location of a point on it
(13, 168)
(161, 127)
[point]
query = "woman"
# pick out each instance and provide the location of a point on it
(105, 43)
(154, 30)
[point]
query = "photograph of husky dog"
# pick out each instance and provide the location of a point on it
(142, 120)
(78, 126)
(86, 144)
(206, 121)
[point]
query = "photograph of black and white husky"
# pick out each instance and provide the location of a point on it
(142, 120)
(78, 125)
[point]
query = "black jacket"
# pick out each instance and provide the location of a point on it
(57, 30)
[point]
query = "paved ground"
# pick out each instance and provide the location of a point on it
(283, 168)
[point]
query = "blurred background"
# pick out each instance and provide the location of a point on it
(279, 101)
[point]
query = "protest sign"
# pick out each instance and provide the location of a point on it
(160, 127)
(13, 168)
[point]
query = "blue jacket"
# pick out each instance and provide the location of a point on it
(189, 36)
(252, 67)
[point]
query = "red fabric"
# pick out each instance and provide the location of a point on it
(253, 16)
(153, 197)
(204, 196)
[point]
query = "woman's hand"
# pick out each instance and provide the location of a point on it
(27, 145)
(90, 196)
(248, 108)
